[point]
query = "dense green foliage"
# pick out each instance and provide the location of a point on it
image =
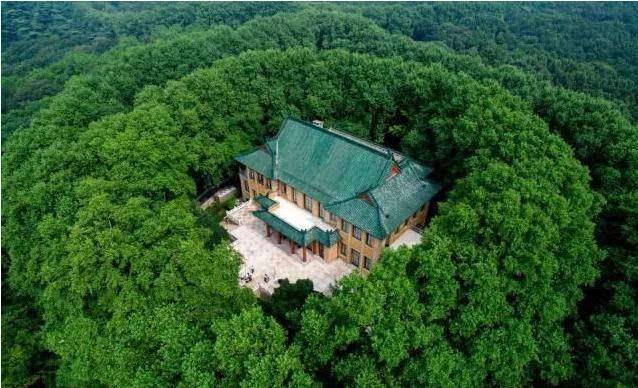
(585, 47)
(527, 274)
(286, 303)
(34, 35)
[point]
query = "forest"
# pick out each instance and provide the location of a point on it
(117, 115)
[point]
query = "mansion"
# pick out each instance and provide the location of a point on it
(339, 197)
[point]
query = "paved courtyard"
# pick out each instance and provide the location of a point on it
(265, 261)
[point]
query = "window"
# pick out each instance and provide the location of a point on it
(321, 211)
(246, 186)
(307, 203)
(343, 249)
(333, 217)
(356, 232)
(294, 194)
(368, 239)
(354, 257)
(268, 183)
(285, 188)
(344, 225)
(367, 263)
(251, 174)
(260, 179)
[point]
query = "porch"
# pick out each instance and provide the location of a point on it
(298, 227)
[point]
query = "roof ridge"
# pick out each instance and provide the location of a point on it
(248, 151)
(372, 146)
(381, 214)
(275, 161)
(383, 173)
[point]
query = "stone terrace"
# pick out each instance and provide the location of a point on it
(267, 262)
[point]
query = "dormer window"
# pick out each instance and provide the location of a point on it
(394, 170)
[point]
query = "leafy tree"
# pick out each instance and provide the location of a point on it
(286, 303)
(250, 351)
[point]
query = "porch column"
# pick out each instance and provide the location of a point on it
(304, 253)
(292, 247)
(278, 237)
(267, 230)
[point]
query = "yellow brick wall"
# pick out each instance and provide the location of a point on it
(347, 238)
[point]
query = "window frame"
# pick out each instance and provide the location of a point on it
(353, 256)
(345, 226)
(368, 239)
(343, 249)
(356, 232)
(322, 212)
(307, 198)
(367, 263)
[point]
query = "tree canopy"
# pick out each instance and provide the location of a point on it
(113, 276)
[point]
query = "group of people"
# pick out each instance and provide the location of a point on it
(248, 277)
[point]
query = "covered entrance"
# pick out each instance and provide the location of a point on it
(296, 240)
(298, 227)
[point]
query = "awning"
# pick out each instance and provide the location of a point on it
(301, 237)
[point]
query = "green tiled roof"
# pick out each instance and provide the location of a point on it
(280, 225)
(301, 237)
(258, 159)
(351, 177)
(265, 202)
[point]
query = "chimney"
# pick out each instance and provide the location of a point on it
(317, 123)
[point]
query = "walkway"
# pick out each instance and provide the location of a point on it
(408, 238)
